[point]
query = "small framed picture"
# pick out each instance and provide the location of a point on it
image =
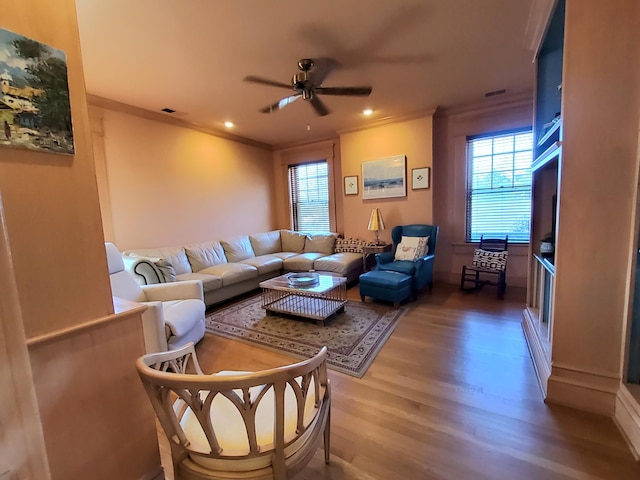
(351, 185)
(420, 178)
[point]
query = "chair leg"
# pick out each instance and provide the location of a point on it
(502, 286)
(327, 438)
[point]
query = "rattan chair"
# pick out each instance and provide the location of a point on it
(238, 425)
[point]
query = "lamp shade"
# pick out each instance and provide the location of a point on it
(375, 222)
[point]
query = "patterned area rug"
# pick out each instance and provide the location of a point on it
(353, 337)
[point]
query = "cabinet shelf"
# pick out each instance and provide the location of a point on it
(552, 130)
(546, 263)
(547, 156)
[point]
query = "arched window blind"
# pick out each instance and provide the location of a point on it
(499, 186)
(309, 189)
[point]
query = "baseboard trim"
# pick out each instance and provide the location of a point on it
(539, 354)
(627, 418)
(582, 390)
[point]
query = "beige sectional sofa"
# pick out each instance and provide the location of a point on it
(230, 267)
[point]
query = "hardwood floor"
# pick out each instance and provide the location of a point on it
(451, 395)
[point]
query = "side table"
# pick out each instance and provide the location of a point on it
(368, 252)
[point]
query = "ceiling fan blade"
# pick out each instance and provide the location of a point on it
(319, 106)
(265, 81)
(355, 91)
(280, 104)
(322, 67)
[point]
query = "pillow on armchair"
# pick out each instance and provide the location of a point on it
(411, 248)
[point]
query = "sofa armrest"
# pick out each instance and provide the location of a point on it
(384, 257)
(154, 329)
(164, 292)
(143, 270)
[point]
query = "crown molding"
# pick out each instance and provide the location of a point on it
(389, 120)
(537, 24)
(522, 99)
(332, 139)
(109, 104)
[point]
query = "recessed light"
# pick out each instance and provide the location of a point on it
(367, 111)
(168, 110)
(229, 124)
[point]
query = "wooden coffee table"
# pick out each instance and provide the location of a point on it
(318, 301)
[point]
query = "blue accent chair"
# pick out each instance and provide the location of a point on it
(420, 270)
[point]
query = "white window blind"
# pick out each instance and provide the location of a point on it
(309, 188)
(499, 186)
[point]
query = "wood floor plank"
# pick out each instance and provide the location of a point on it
(451, 395)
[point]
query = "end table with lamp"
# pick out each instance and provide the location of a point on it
(369, 252)
(376, 223)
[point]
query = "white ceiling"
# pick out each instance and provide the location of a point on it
(192, 56)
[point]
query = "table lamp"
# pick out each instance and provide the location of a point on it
(376, 223)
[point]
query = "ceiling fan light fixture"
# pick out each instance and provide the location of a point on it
(307, 84)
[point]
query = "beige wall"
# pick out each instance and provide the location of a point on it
(56, 246)
(62, 279)
(328, 150)
(412, 138)
(451, 129)
(170, 185)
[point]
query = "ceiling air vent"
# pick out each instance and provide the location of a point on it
(495, 92)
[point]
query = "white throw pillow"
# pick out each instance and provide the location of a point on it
(162, 264)
(412, 248)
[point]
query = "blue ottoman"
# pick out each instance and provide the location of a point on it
(383, 285)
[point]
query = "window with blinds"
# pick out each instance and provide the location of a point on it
(309, 189)
(499, 186)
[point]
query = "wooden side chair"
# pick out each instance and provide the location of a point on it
(489, 266)
(238, 425)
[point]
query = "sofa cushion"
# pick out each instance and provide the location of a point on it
(320, 243)
(264, 263)
(176, 256)
(203, 255)
(231, 273)
(209, 282)
(407, 267)
(292, 241)
(266, 242)
(238, 248)
(301, 263)
(340, 263)
(284, 255)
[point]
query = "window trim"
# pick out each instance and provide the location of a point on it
(292, 214)
(469, 178)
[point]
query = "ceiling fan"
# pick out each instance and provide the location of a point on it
(307, 84)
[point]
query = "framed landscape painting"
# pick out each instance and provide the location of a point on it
(35, 112)
(384, 178)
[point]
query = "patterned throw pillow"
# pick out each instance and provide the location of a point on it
(412, 248)
(351, 245)
(490, 260)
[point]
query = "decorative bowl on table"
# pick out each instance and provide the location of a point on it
(303, 279)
